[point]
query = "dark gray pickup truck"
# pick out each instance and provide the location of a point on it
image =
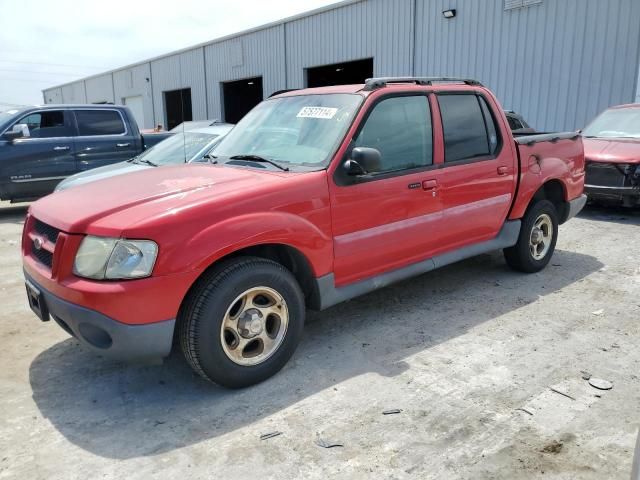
(41, 145)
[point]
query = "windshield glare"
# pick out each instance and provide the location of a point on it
(301, 130)
(615, 123)
(178, 148)
(7, 114)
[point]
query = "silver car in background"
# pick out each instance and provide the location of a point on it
(182, 147)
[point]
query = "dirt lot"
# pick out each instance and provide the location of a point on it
(469, 354)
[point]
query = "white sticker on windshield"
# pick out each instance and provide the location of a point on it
(317, 112)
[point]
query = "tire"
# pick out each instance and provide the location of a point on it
(223, 312)
(522, 256)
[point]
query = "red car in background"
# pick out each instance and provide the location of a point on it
(612, 153)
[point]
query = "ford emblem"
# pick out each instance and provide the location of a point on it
(37, 243)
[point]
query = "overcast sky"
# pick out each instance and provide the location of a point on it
(48, 42)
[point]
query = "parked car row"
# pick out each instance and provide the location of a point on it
(41, 145)
(315, 197)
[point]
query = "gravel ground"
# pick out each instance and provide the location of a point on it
(469, 355)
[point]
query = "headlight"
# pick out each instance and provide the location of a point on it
(112, 258)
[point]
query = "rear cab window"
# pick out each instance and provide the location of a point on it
(470, 131)
(514, 123)
(99, 122)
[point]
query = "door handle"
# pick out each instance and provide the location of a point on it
(430, 186)
(122, 145)
(503, 170)
(58, 148)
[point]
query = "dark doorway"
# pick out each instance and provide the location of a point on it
(340, 73)
(240, 97)
(177, 104)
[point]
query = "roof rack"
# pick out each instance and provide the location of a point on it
(375, 83)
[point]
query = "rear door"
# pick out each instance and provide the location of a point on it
(34, 165)
(478, 173)
(103, 138)
(388, 218)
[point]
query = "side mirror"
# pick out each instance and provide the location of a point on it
(363, 160)
(19, 130)
(353, 168)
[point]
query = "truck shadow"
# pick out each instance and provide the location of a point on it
(121, 412)
(611, 214)
(12, 213)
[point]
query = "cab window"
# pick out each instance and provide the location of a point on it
(46, 124)
(469, 128)
(400, 129)
(99, 122)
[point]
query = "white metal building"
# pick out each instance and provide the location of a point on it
(557, 62)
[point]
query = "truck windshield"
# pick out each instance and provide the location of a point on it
(178, 148)
(615, 123)
(298, 131)
(7, 114)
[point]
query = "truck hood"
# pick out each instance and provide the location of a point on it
(612, 150)
(100, 173)
(111, 205)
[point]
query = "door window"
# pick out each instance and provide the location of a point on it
(469, 129)
(400, 129)
(46, 124)
(99, 122)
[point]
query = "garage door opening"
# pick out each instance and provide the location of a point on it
(177, 105)
(240, 97)
(340, 73)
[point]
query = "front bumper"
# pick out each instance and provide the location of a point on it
(621, 194)
(575, 207)
(148, 342)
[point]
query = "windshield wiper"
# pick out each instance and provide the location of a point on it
(144, 160)
(259, 159)
(212, 158)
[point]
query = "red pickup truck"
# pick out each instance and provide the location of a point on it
(315, 197)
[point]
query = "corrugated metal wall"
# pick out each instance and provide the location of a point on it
(53, 95)
(184, 70)
(74, 93)
(558, 63)
(382, 29)
(99, 89)
(256, 54)
(132, 82)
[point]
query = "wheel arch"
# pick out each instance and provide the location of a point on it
(552, 189)
(288, 256)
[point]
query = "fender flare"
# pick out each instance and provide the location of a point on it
(237, 233)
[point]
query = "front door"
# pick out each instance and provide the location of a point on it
(388, 218)
(36, 164)
(103, 138)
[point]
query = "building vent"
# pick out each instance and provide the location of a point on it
(511, 4)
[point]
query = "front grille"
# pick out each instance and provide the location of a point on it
(51, 233)
(604, 174)
(43, 256)
(39, 252)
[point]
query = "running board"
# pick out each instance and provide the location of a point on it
(329, 295)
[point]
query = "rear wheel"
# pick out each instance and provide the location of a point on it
(242, 322)
(537, 240)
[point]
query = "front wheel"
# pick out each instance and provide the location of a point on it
(242, 322)
(537, 240)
